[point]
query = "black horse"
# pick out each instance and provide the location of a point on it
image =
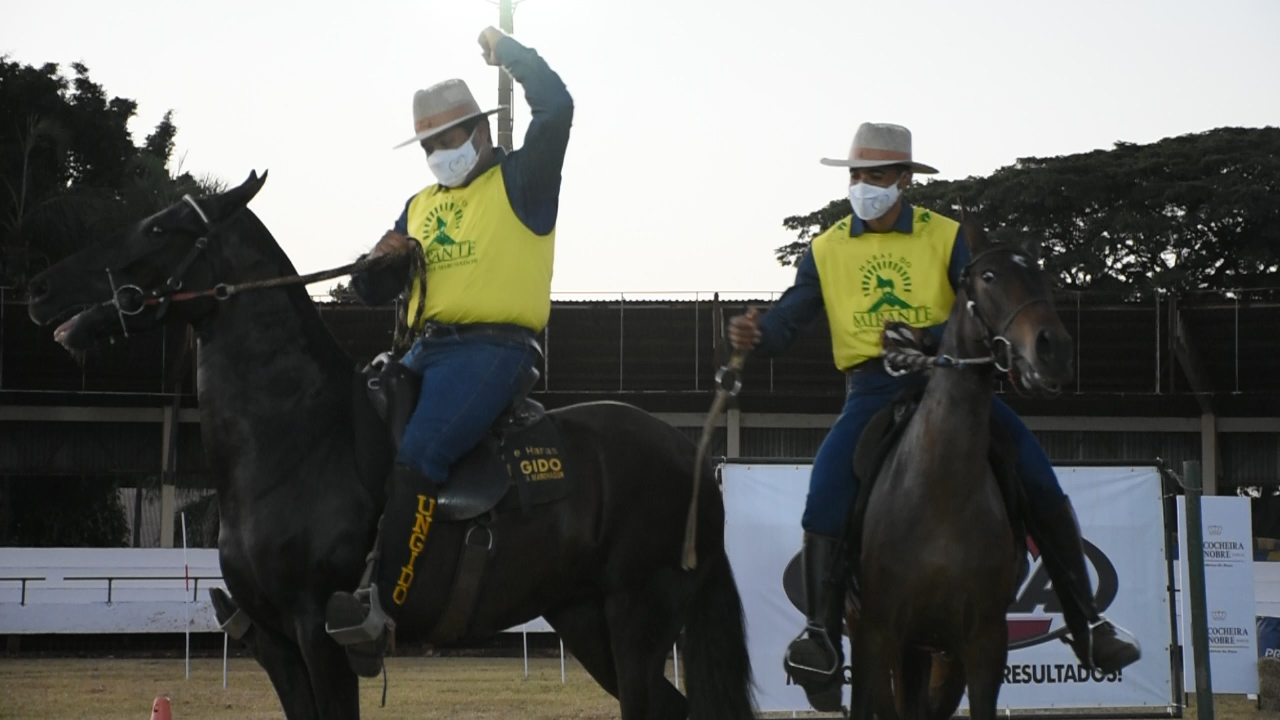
(299, 450)
(944, 540)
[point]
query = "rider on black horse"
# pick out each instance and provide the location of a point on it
(891, 262)
(482, 291)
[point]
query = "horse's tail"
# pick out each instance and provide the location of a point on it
(717, 668)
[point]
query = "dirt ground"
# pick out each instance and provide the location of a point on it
(419, 687)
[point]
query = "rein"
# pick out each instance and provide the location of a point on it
(132, 299)
(729, 382)
(907, 360)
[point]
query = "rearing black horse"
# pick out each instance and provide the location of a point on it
(299, 455)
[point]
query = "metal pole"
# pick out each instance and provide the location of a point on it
(505, 22)
(622, 307)
(1157, 294)
(1237, 343)
(2, 293)
(1078, 343)
(1195, 586)
(696, 385)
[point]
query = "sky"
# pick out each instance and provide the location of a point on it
(698, 125)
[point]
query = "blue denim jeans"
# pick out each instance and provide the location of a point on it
(466, 384)
(833, 487)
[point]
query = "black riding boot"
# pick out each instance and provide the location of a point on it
(361, 621)
(1093, 638)
(815, 658)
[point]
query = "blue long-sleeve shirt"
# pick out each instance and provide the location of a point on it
(531, 173)
(801, 304)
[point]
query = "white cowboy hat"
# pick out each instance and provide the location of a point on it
(880, 144)
(441, 107)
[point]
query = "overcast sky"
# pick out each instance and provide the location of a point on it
(698, 124)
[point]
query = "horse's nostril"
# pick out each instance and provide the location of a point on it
(1044, 345)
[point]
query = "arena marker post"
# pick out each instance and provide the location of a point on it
(186, 585)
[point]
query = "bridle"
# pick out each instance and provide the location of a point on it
(131, 299)
(994, 339)
(1002, 353)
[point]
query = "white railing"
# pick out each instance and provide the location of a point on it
(115, 591)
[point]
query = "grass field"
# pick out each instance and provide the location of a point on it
(419, 687)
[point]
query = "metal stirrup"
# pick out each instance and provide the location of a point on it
(367, 631)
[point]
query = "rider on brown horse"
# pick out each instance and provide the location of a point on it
(890, 262)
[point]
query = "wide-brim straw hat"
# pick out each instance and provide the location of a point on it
(442, 106)
(880, 144)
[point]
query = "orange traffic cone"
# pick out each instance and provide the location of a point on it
(160, 709)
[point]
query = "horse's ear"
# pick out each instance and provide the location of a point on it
(234, 200)
(1031, 248)
(974, 236)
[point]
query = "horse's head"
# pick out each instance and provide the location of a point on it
(132, 283)
(1008, 294)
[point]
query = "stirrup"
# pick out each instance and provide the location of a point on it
(238, 623)
(373, 625)
(1102, 620)
(826, 639)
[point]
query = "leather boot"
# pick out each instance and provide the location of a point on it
(362, 621)
(1092, 637)
(814, 660)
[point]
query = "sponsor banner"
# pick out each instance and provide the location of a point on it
(1120, 511)
(1268, 638)
(1229, 594)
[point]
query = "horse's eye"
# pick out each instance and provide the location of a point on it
(157, 230)
(988, 276)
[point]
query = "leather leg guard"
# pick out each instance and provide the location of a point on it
(1093, 637)
(815, 658)
(362, 621)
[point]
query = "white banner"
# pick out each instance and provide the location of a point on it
(1229, 594)
(1121, 515)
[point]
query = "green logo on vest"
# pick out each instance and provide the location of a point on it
(440, 241)
(887, 289)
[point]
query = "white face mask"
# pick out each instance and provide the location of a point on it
(870, 202)
(451, 167)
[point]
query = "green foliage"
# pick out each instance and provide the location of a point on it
(1185, 213)
(70, 173)
(64, 512)
(202, 523)
(343, 293)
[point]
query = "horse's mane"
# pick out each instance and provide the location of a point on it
(318, 333)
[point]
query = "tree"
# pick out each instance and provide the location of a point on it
(1190, 212)
(344, 294)
(71, 175)
(69, 169)
(58, 511)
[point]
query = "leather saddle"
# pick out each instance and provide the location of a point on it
(480, 480)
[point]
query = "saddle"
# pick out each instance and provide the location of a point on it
(519, 464)
(881, 436)
(506, 458)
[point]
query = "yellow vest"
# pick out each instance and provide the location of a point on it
(482, 263)
(875, 277)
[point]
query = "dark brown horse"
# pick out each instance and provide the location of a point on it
(941, 549)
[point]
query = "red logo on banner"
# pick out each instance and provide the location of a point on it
(1036, 613)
